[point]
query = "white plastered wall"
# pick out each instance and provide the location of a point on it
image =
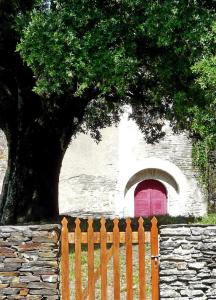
(99, 179)
(140, 161)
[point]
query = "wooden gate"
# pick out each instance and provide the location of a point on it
(112, 239)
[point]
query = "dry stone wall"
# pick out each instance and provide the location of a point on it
(188, 262)
(29, 262)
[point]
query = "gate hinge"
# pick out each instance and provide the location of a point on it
(155, 257)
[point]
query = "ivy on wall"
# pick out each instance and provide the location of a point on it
(204, 158)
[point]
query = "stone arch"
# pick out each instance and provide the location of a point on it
(165, 172)
(151, 173)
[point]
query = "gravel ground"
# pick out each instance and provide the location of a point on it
(110, 274)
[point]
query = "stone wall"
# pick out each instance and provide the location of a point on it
(95, 177)
(89, 176)
(29, 262)
(188, 262)
(172, 154)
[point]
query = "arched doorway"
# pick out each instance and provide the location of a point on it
(150, 198)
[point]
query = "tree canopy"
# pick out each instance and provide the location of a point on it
(70, 66)
(157, 52)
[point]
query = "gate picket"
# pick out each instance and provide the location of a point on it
(103, 236)
(141, 249)
(91, 284)
(77, 269)
(116, 263)
(115, 238)
(129, 263)
(65, 261)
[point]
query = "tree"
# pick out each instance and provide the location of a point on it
(70, 66)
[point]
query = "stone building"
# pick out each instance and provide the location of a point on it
(124, 176)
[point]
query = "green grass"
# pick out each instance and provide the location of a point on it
(84, 260)
(209, 219)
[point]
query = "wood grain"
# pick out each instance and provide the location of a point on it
(97, 237)
(91, 285)
(103, 257)
(65, 286)
(141, 249)
(116, 263)
(77, 269)
(129, 262)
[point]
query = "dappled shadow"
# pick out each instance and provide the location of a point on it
(3, 157)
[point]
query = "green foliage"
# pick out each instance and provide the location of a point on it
(210, 219)
(79, 43)
(205, 67)
(204, 126)
(204, 118)
(158, 54)
(95, 43)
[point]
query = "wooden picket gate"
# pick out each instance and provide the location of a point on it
(102, 238)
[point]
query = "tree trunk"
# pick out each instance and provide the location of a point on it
(30, 189)
(38, 130)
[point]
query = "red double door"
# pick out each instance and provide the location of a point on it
(150, 199)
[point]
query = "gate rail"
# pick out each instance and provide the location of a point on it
(103, 238)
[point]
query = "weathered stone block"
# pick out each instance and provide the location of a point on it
(196, 265)
(42, 285)
(197, 293)
(181, 266)
(29, 246)
(168, 279)
(175, 231)
(48, 254)
(46, 237)
(169, 294)
(14, 260)
(31, 297)
(42, 292)
(24, 292)
(203, 275)
(29, 278)
(18, 285)
(49, 278)
(9, 274)
(3, 285)
(181, 251)
(10, 291)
